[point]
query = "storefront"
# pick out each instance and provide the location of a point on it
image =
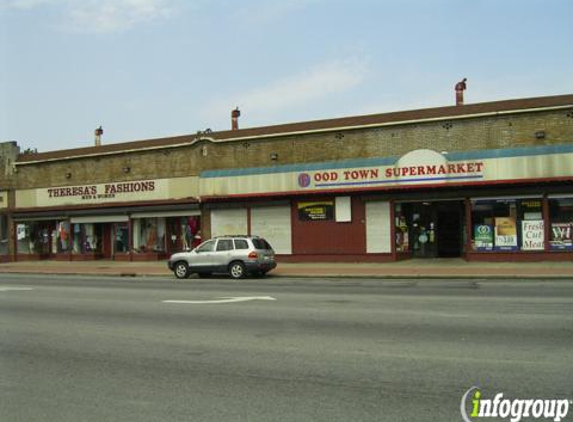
(139, 220)
(4, 228)
(506, 204)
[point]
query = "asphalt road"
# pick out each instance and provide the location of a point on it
(86, 349)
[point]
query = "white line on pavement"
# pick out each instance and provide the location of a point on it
(221, 300)
(15, 289)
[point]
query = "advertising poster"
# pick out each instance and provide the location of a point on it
(531, 209)
(561, 236)
(318, 210)
(21, 231)
(532, 235)
(505, 234)
(483, 237)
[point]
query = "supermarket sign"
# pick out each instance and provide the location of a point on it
(394, 175)
(422, 167)
(417, 167)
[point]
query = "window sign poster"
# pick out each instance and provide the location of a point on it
(21, 231)
(318, 210)
(561, 236)
(532, 235)
(483, 237)
(505, 234)
(531, 209)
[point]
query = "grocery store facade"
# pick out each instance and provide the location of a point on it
(491, 181)
(507, 204)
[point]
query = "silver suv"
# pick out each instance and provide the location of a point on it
(234, 255)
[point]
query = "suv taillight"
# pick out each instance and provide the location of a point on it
(253, 255)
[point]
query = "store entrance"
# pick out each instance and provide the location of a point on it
(430, 229)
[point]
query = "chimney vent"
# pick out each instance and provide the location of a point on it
(235, 114)
(98, 132)
(460, 88)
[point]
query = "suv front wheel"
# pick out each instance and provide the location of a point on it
(181, 269)
(237, 270)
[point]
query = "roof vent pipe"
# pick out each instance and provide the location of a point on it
(460, 88)
(235, 114)
(98, 132)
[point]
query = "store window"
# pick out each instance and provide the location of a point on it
(401, 229)
(183, 232)
(35, 238)
(149, 235)
(121, 238)
(4, 236)
(561, 220)
(87, 238)
(508, 224)
(63, 237)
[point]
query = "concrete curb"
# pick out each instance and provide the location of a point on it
(316, 276)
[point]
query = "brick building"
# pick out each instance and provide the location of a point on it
(488, 181)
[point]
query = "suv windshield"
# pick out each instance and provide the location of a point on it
(261, 244)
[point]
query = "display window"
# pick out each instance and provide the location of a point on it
(35, 238)
(121, 238)
(4, 235)
(184, 233)
(508, 224)
(63, 237)
(415, 229)
(401, 230)
(149, 235)
(561, 221)
(87, 238)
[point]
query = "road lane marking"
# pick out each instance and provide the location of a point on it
(221, 300)
(15, 289)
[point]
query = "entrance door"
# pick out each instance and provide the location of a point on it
(450, 226)
(430, 229)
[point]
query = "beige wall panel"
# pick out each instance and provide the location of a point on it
(26, 198)
(183, 187)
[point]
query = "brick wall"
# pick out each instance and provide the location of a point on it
(445, 135)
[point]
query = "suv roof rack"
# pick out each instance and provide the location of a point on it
(237, 235)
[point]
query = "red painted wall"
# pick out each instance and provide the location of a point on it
(329, 237)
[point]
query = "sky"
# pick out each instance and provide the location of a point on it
(147, 69)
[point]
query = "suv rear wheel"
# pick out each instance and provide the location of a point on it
(181, 269)
(237, 270)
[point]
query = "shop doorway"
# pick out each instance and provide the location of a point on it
(430, 229)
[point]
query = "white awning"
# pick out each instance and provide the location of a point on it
(32, 219)
(560, 195)
(502, 198)
(179, 213)
(100, 219)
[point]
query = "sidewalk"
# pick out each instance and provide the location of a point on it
(430, 268)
